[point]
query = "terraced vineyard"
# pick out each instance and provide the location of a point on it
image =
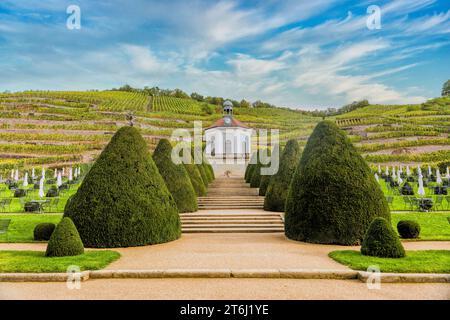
(177, 105)
(55, 128)
(408, 134)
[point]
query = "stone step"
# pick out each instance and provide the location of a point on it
(230, 214)
(234, 230)
(231, 207)
(277, 222)
(233, 225)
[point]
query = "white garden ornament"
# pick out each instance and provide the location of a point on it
(70, 174)
(421, 191)
(16, 176)
(408, 172)
(387, 171)
(379, 169)
(12, 174)
(429, 171)
(25, 180)
(438, 177)
(55, 174)
(43, 172)
(41, 188)
(33, 174)
(376, 177)
(59, 180)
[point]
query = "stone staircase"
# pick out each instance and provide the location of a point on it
(231, 206)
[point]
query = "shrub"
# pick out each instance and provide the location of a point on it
(176, 177)
(251, 169)
(407, 190)
(382, 241)
(31, 207)
(278, 187)
(265, 180)
(19, 193)
(123, 201)
(202, 171)
(211, 171)
(52, 192)
(255, 179)
(65, 240)
(43, 231)
(408, 229)
(196, 179)
(333, 195)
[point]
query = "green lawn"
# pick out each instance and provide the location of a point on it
(22, 225)
(36, 261)
(433, 226)
(425, 261)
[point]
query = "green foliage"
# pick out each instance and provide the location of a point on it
(408, 229)
(65, 240)
(265, 180)
(251, 170)
(333, 195)
(52, 192)
(382, 241)
(446, 89)
(278, 187)
(43, 231)
(176, 178)
(123, 200)
(196, 179)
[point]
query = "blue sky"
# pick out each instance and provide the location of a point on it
(294, 53)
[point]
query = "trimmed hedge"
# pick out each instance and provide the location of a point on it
(203, 174)
(176, 177)
(52, 192)
(333, 196)
(123, 201)
(19, 193)
(43, 231)
(408, 229)
(196, 179)
(65, 240)
(249, 169)
(278, 187)
(382, 241)
(265, 180)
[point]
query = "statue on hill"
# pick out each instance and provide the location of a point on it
(130, 118)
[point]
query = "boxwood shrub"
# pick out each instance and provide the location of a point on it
(176, 177)
(333, 196)
(196, 179)
(43, 231)
(382, 241)
(123, 201)
(408, 229)
(278, 187)
(65, 240)
(52, 192)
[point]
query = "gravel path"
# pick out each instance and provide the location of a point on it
(249, 289)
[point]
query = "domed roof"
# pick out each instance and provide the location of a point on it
(228, 104)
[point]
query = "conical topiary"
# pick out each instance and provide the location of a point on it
(249, 169)
(123, 201)
(333, 195)
(265, 180)
(278, 188)
(196, 179)
(382, 241)
(176, 177)
(65, 240)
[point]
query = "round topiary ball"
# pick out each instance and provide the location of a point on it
(123, 201)
(65, 240)
(52, 192)
(176, 177)
(333, 195)
(382, 241)
(43, 231)
(408, 229)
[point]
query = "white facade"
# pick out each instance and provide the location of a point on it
(228, 142)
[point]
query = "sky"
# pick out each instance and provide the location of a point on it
(294, 53)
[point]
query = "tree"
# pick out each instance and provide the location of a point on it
(123, 201)
(244, 104)
(198, 97)
(176, 177)
(278, 187)
(446, 89)
(333, 195)
(382, 241)
(65, 240)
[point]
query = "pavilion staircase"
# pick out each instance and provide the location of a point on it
(231, 206)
